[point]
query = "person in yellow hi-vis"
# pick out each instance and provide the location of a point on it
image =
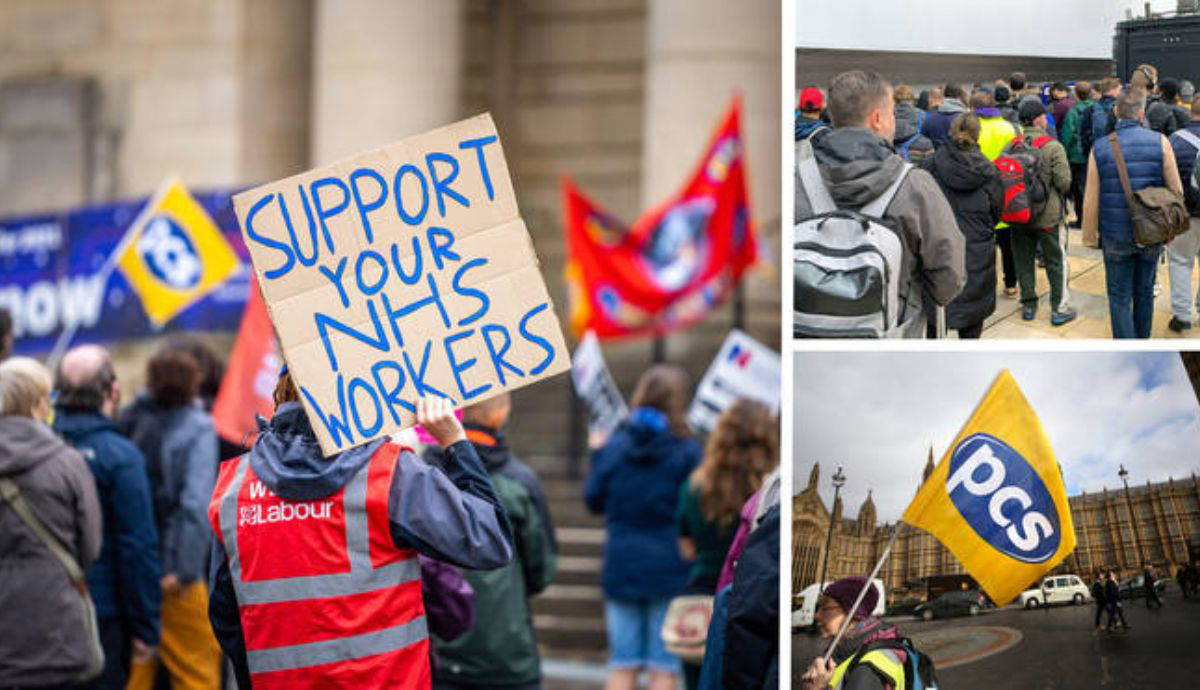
(180, 444)
(996, 500)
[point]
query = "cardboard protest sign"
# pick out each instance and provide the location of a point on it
(402, 272)
(743, 368)
(595, 386)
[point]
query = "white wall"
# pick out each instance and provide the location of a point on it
(1047, 28)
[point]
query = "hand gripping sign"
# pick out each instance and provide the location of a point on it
(402, 272)
(997, 499)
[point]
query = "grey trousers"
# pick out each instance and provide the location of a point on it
(1182, 253)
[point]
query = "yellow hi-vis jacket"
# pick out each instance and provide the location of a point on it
(884, 661)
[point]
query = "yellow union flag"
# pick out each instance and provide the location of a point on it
(175, 254)
(996, 499)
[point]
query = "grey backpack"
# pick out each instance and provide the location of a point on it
(846, 263)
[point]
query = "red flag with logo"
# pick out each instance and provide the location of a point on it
(676, 263)
(251, 374)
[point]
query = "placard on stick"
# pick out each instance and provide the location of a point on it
(402, 272)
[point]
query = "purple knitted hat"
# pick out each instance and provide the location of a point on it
(845, 591)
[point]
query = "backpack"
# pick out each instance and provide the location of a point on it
(919, 671)
(902, 149)
(1085, 131)
(846, 263)
(1025, 193)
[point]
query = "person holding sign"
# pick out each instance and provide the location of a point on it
(315, 578)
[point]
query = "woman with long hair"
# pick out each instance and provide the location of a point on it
(742, 449)
(634, 482)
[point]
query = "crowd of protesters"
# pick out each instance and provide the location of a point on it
(863, 134)
(172, 556)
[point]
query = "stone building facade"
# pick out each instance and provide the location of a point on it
(1166, 514)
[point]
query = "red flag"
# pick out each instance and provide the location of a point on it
(251, 374)
(677, 262)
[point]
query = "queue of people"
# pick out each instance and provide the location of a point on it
(1053, 167)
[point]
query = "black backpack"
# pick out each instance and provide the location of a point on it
(919, 671)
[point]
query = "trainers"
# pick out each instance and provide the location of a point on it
(1028, 312)
(1058, 318)
(1179, 325)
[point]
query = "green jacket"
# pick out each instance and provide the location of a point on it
(1055, 172)
(500, 649)
(1069, 132)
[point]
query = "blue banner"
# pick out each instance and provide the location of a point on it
(50, 277)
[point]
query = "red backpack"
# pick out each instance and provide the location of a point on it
(1024, 192)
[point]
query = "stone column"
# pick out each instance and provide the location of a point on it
(698, 54)
(382, 70)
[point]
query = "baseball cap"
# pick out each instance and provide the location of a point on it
(811, 100)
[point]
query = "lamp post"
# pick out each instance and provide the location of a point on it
(1137, 545)
(838, 480)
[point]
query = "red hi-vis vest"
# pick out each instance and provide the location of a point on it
(326, 598)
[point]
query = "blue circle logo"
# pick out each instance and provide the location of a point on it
(1003, 499)
(170, 254)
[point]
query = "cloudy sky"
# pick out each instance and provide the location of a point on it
(876, 415)
(1069, 28)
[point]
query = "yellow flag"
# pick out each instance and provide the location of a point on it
(175, 254)
(996, 499)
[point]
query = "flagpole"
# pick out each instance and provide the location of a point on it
(862, 593)
(109, 265)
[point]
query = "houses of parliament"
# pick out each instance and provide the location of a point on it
(1166, 515)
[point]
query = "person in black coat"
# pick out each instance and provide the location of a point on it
(971, 184)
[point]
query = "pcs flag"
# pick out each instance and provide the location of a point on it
(997, 499)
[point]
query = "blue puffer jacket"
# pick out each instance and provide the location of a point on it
(124, 580)
(1142, 149)
(634, 482)
(1185, 160)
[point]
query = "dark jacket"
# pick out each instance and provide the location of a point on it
(806, 127)
(1059, 109)
(1142, 149)
(503, 650)
(180, 447)
(634, 482)
(449, 513)
(1098, 594)
(1112, 593)
(908, 132)
(751, 655)
(937, 125)
(1008, 111)
(1185, 160)
(971, 184)
(1055, 170)
(1072, 132)
(43, 640)
(857, 167)
(124, 580)
(1102, 118)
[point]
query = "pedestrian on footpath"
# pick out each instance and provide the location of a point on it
(1112, 599)
(1047, 232)
(179, 442)
(634, 482)
(1183, 251)
(856, 165)
(50, 531)
(971, 184)
(1148, 581)
(995, 134)
(742, 449)
(500, 652)
(124, 580)
(809, 106)
(1129, 269)
(937, 124)
(315, 576)
(1099, 598)
(913, 146)
(1077, 145)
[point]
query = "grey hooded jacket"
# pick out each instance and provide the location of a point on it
(857, 166)
(44, 640)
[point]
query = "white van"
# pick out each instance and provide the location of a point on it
(805, 603)
(1056, 589)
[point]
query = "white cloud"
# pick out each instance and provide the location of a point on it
(876, 414)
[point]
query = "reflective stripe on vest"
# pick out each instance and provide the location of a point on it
(881, 660)
(316, 592)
